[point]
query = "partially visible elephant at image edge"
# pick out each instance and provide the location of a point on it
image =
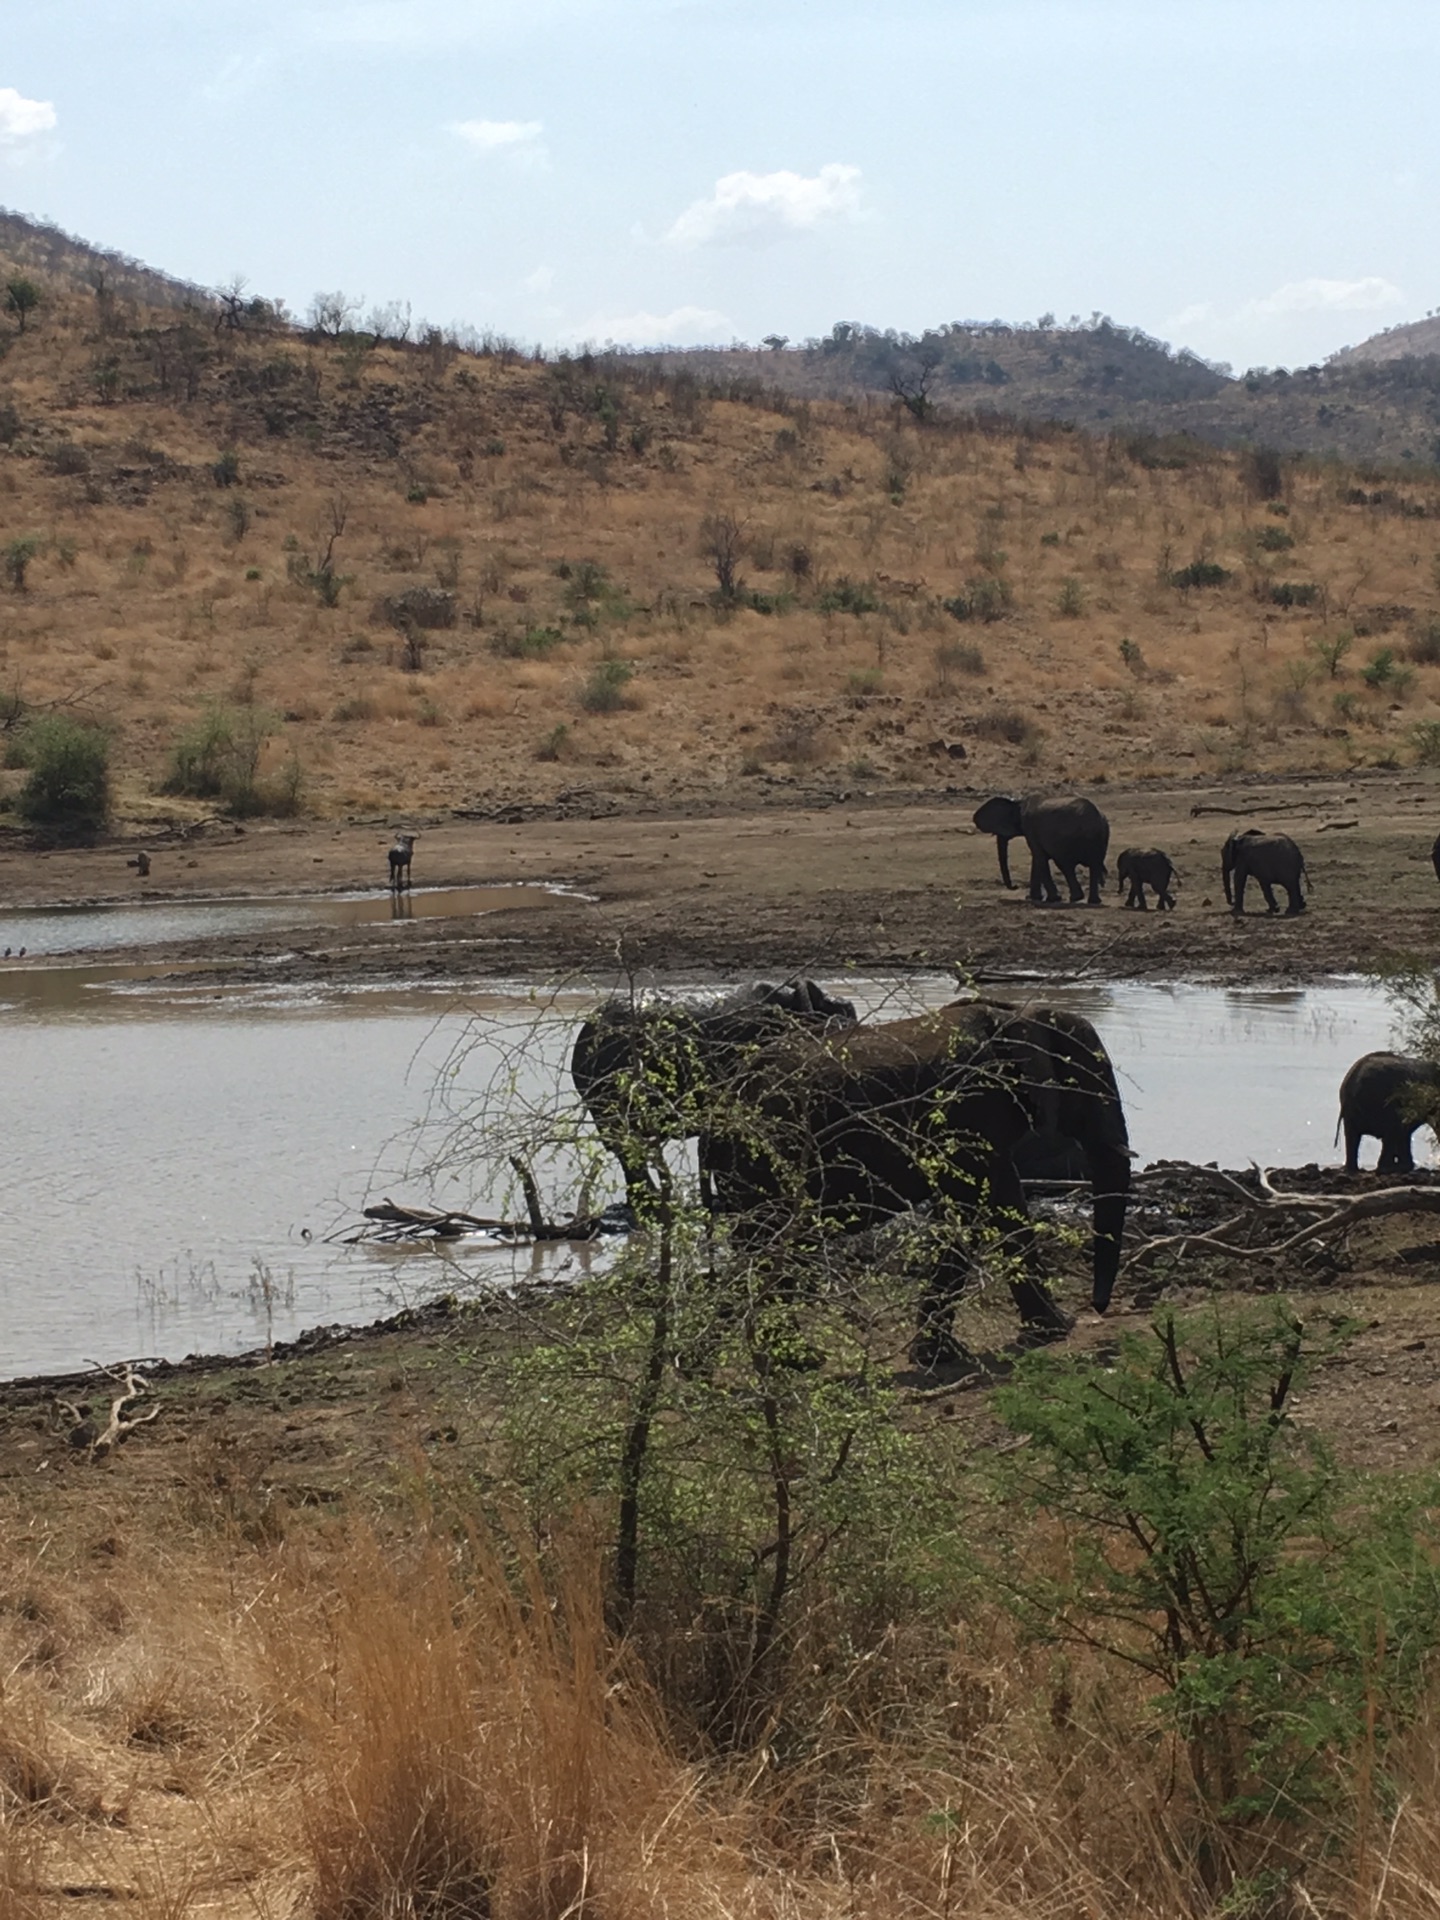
(1065, 828)
(1388, 1095)
(1270, 859)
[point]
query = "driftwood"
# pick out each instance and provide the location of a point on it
(398, 1222)
(1330, 1213)
(134, 1387)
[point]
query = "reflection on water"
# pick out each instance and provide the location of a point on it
(45, 931)
(176, 1152)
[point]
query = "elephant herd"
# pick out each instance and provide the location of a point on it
(811, 1122)
(1071, 833)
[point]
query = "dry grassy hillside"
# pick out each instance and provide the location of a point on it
(194, 514)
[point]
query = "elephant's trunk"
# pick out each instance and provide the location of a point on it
(1227, 861)
(1110, 1178)
(1002, 847)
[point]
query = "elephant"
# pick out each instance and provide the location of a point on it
(1272, 858)
(643, 1071)
(1066, 829)
(400, 855)
(1388, 1095)
(1141, 867)
(843, 1130)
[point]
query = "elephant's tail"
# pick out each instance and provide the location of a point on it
(1339, 1122)
(1304, 876)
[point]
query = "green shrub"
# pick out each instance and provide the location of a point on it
(1331, 649)
(1423, 646)
(1200, 573)
(985, 599)
(1070, 601)
(1380, 670)
(525, 643)
(845, 595)
(1274, 539)
(864, 681)
(1426, 738)
(1295, 593)
(1199, 1534)
(16, 558)
(219, 759)
(69, 783)
(604, 691)
(1132, 655)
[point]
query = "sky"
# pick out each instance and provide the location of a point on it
(1258, 182)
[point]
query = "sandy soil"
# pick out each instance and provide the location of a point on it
(823, 882)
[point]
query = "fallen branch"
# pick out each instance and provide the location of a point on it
(1336, 1215)
(119, 1428)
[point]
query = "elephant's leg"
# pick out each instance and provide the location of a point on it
(1095, 898)
(1272, 905)
(1166, 901)
(1238, 909)
(1038, 1310)
(1354, 1134)
(1072, 881)
(1297, 899)
(1042, 882)
(935, 1344)
(1138, 899)
(1395, 1153)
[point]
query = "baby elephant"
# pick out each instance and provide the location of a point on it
(1141, 867)
(400, 860)
(1388, 1095)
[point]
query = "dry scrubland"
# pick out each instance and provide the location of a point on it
(220, 1699)
(180, 560)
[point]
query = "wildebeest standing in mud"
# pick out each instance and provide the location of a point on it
(400, 855)
(646, 1071)
(846, 1130)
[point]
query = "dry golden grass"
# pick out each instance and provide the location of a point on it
(149, 596)
(222, 1707)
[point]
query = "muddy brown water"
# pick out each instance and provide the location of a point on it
(176, 1153)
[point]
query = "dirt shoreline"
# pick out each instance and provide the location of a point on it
(892, 881)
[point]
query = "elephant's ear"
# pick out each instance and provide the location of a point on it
(999, 815)
(1027, 1042)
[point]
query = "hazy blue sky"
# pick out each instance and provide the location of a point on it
(1257, 181)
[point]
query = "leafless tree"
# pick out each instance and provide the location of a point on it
(722, 541)
(332, 314)
(913, 377)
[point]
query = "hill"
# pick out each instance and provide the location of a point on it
(37, 246)
(291, 568)
(1417, 340)
(1107, 377)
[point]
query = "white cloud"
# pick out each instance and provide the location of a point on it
(515, 140)
(22, 119)
(682, 326)
(755, 207)
(1370, 295)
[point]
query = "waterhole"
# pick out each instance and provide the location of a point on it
(43, 931)
(175, 1154)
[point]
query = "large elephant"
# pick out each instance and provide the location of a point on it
(1272, 859)
(1066, 829)
(1141, 867)
(644, 1070)
(841, 1131)
(1388, 1095)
